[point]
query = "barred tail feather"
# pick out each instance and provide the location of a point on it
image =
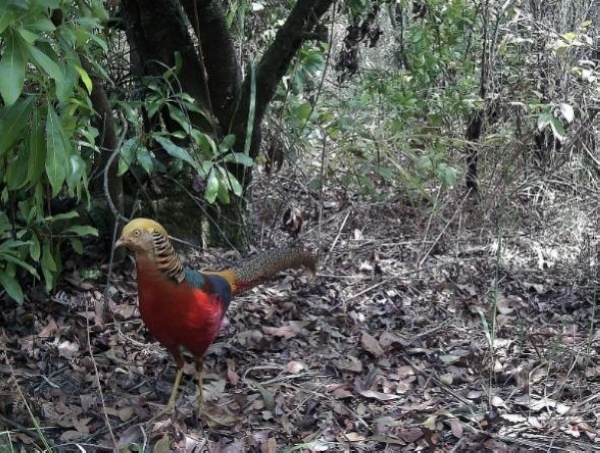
(256, 270)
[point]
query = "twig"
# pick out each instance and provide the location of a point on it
(113, 155)
(337, 237)
(456, 211)
(97, 375)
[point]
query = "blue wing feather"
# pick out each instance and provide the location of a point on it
(211, 283)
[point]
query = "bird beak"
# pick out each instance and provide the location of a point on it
(120, 242)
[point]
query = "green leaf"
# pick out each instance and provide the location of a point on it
(35, 249)
(7, 17)
(67, 81)
(44, 62)
(206, 144)
(212, 187)
(57, 152)
(16, 171)
(85, 78)
(28, 36)
(544, 120)
(145, 160)
(77, 172)
(19, 262)
(81, 230)
(223, 194)
(239, 158)
(11, 245)
(49, 267)
(12, 69)
(232, 182)
(12, 287)
(558, 130)
(302, 111)
(227, 143)
(37, 149)
(127, 154)
(176, 151)
(42, 23)
(77, 245)
(13, 120)
(62, 216)
(176, 114)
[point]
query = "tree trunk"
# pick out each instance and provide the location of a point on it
(211, 74)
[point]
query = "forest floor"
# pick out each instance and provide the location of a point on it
(455, 328)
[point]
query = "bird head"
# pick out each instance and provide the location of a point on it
(138, 235)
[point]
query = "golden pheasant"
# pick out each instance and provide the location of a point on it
(184, 308)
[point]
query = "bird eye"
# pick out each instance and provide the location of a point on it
(137, 232)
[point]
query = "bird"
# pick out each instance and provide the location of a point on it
(183, 308)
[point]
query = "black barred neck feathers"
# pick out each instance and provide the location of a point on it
(166, 258)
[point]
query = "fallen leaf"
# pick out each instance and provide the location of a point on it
(497, 402)
(341, 392)
(50, 329)
(456, 428)
(447, 378)
(163, 445)
(371, 344)
(513, 418)
(293, 367)
(70, 435)
(379, 395)
(387, 338)
(351, 437)
(232, 375)
(411, 435)
(68, 349)
(270, 446)
(349, 363)
(287, 331)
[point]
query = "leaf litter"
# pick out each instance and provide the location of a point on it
(402, 343)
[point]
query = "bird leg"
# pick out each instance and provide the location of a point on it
(173, 397)
(180, 363)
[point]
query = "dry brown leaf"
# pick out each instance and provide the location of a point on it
(387, 338)
(379, 395)
(351, 437)
(293, 367)
(341, 392)
(125, 413)
(163, 445)
(514, 418)
(371, 344)
(430, 422)
(232, 375)
(68, 349)
(287, 331)
(270, 446)
(49, 330)
(447, 378)
(411, 435)
(349, 363)
(87, 401)
(456, 428)
(70, 435)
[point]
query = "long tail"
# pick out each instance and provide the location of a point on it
(255, 271)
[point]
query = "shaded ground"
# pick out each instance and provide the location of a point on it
(425, 329)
